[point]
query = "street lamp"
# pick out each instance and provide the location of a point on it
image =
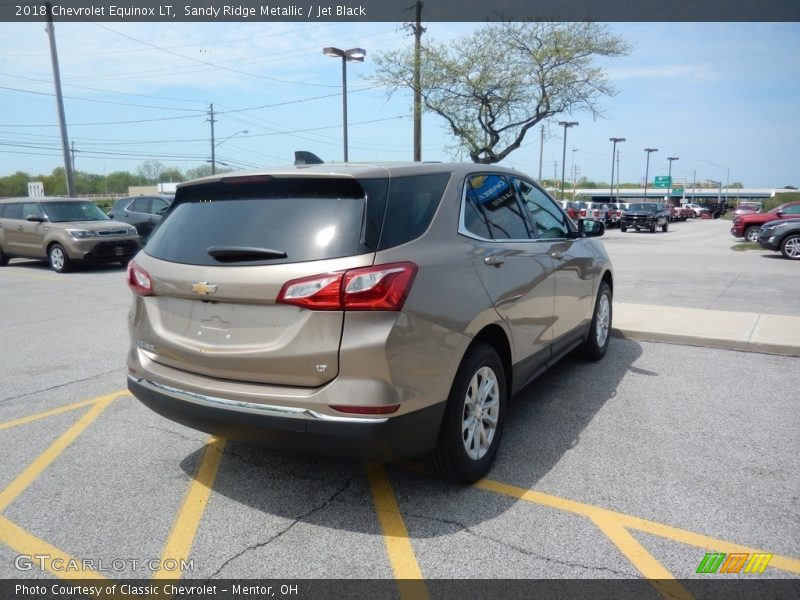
(214, 146)
(647, 169)
(566, 125)
(613, 154)
(669, 174)
(351, 55)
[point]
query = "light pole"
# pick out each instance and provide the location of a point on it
(669, 175)
(351, 55)
(647, 169)
(574, 173)
(214, 146)
(613, 154)
(566, 125)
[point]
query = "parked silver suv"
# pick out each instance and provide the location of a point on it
(363, 310)
(63, 230)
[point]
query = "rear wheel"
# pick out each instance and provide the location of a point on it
(473, 419)
(790, 247)
(664, 227)
(3, 258)
(59, 261)
(595, 346)
(751, 234)
(623, 228)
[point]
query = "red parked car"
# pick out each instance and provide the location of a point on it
(748, 225)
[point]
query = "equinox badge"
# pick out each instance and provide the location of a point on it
(204, 288)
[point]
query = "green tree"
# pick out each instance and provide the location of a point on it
(14, 185)
(498, 82)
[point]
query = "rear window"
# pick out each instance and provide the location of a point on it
(304, 219)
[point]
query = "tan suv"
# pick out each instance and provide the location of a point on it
(369, 311)
(63, 230)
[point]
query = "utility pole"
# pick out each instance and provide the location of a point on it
(72, 149)
(615, 140)
(62, 120)
(541, 151)
(417, 91)
(213, 144)
(555, 175)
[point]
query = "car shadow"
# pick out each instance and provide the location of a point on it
(544, 422)
(43, 265)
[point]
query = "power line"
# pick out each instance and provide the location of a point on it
(103, 101)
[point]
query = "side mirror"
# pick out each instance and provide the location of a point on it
(779, 213)
(35, 218)
(591, 228)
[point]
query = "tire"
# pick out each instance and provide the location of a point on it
(664, 227)
(623, 228)
(459, 455)
(596, 344)
(3, 258)
(790, 247)
(751, 234)
(653, 227)
(59, 261)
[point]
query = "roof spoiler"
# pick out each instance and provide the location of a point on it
(302, 157)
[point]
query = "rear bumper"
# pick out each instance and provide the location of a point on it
(393, 438)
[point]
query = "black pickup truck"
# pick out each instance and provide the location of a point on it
(645, 215)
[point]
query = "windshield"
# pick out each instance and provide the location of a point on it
(67, 212)
(642, 207)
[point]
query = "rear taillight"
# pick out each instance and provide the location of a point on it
(139, 280)
(366, 410)
(619, 213)
(381, 287)
(596, 213)
(583, 212)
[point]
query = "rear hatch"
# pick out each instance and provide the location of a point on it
(220, 259)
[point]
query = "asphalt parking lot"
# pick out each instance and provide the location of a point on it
(635, 466)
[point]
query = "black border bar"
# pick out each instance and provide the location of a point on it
(110, 11)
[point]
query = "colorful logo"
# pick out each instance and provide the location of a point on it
(719, 562)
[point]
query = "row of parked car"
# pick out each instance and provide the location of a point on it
(612, 213)
(777, 229)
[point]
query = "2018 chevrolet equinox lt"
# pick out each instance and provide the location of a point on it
(363, 310)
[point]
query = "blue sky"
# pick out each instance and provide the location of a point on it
(723, 97)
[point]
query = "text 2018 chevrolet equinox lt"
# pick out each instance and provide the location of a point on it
(368, 311)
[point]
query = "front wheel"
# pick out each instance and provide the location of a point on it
(790, 247)
(751, 234)
(595, 346)
(653, 227)
(59, 261)
(473, 419)
(623, 228)
(3, 258)
(664, 227)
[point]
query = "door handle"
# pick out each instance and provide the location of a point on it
(20, 227)
(495, 260)
(557, 255)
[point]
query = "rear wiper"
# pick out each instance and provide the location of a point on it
(243, 253)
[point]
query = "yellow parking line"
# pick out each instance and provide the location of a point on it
(784, 563)
(660, 578)
(29, 475)
(27, 544)
(50, 413)
(15, 273)
(180, 540)
(395, 536)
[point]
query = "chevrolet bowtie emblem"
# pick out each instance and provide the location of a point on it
(204, 288)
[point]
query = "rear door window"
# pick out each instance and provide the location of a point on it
(284, 220)
(13, 211)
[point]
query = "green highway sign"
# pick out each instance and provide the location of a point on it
(662, 181)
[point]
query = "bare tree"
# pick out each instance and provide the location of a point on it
(493, 85)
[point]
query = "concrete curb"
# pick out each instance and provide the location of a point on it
(748, 332)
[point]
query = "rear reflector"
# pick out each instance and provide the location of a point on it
(139, 280)
(380, 287)
(366, 410)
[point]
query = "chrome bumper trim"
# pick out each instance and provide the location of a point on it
(293, 412)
